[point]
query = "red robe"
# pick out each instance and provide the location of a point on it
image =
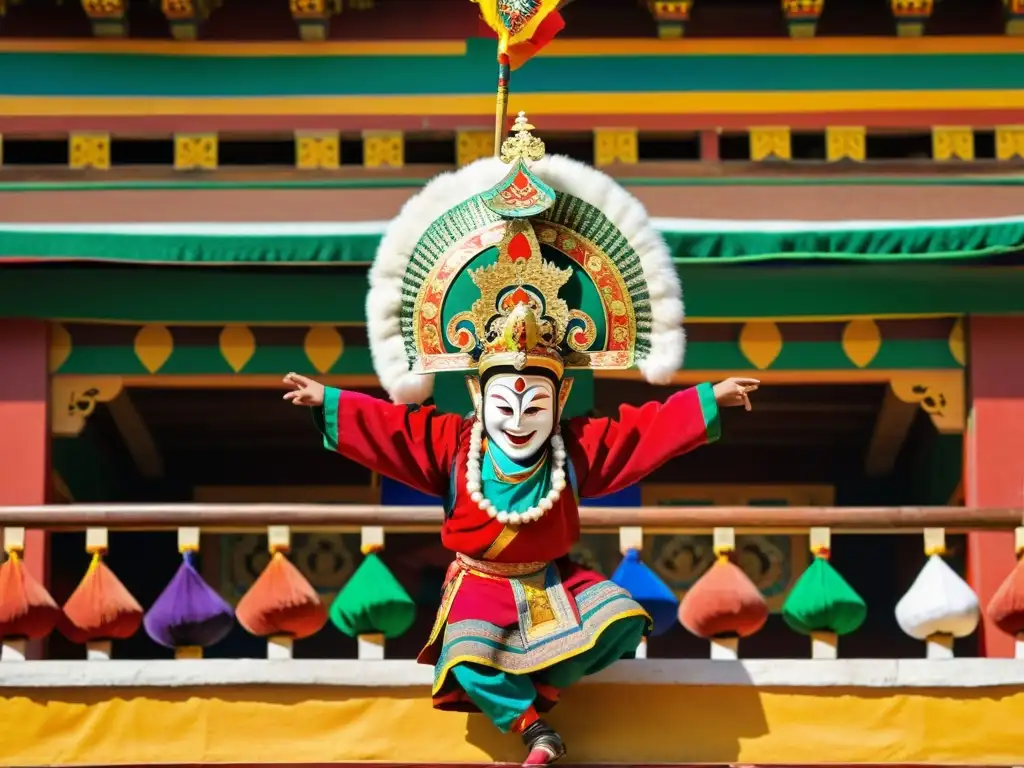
(421, 447)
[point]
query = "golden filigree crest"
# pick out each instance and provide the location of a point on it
(522, 145)
(520, 276)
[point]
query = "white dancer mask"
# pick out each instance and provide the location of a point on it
(519, 414)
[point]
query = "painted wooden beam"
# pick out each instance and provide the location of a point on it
(89, 354)
(137, 437)
(890, 433)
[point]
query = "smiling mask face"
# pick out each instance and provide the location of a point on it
(519, 414)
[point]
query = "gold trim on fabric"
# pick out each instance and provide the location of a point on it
(499, 570)
(543, 608)
(442, 675)
(441, 621)
(506, 537)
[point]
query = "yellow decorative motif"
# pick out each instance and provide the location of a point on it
(846, 143)
(317, 151)
(178, 9)
(539, 604)
(383, 149)
(108, 17)
(911, 16)
(153, 346)
(471, 146)
(770, 143)
(314, 16)
(957, 347)
(314, 9)
(324, 347)
(73, 399)
(195, 151)
(802, 16)
(1014, 16)
(1009, 142)
(939, 393)
(803, 8)
(237, 345)
(616, 145)
(60, 346)
(918, 9)
(429, 310)
(761, 343)
(861, 341)
(96, 9)
(89, 150)
(671, 17)
(952, 143)
(185, 16)
(581, 340)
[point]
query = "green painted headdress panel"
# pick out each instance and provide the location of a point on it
(554, 265)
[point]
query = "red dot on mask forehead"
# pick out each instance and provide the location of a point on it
(520, 385)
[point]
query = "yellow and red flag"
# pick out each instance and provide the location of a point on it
(523, 27)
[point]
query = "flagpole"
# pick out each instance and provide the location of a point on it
(501, 111)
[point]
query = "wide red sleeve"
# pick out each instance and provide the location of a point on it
(616, 453)
(411, 444)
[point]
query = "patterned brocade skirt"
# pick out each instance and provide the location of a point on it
(518, 618)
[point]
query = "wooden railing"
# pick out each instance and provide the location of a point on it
(957, 610)
(253, 517)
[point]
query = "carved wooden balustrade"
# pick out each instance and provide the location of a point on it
(722, 606)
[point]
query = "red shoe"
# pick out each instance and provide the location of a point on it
(544, 744)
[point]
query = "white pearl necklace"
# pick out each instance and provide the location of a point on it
(475, 487)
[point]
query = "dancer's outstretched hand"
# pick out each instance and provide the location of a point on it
(733, 392)
(304, 391)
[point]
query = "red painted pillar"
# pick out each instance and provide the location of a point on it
(994, 455)
(709, 146)
(25, 427)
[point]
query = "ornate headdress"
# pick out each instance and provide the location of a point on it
(553, 267)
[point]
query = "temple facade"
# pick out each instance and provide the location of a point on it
(191, 194)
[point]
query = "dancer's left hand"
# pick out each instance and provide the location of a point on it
(732, 392)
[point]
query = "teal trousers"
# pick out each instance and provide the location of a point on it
(504, 697)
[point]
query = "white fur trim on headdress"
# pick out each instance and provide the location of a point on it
(384, 301)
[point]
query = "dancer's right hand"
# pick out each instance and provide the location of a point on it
(304, 391)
